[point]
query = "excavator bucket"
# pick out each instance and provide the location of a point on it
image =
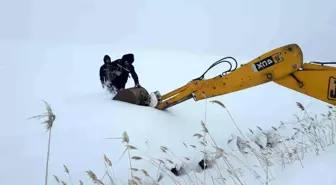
(135, 95)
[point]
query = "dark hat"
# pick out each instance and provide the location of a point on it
(129, 57)
(106, 57)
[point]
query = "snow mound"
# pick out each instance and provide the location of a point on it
(89, 127)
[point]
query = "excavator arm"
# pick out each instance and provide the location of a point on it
(283, 66)
(314, 80)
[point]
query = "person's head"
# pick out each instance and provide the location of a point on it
(127, 59)
(107, 59)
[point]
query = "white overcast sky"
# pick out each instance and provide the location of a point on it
(221, 27)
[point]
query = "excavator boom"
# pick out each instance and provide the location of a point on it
(313, 80)
(283, 66)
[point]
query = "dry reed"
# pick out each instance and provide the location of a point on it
(270, 149)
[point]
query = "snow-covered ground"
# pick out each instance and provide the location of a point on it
(52, 51)
(317, 170)
(86, 117)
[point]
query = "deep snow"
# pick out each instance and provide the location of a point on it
(52, 51)
(66, 76)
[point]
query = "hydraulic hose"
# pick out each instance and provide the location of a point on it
(222, 60)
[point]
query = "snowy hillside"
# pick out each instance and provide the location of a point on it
(52, 51)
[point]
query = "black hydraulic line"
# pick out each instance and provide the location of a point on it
(223, 60)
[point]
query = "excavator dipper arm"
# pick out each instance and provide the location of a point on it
(314, 80)
(283, 66)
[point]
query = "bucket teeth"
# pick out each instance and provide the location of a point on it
(158, 96)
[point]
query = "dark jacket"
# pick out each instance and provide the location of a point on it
(108, 72)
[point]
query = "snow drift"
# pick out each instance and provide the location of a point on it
(66, 76)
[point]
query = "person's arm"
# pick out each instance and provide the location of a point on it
(102, 74)
(135, 76)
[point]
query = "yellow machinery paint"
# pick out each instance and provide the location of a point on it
(283, 65)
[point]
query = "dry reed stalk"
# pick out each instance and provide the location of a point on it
(109, 170)
(222, 105)
(94, 178)
(57, 179)
(230, 166)
(291, 147)
(152, 161)
(68, 173)
(48, 125)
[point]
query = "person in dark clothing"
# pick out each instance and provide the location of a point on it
(115, 74)
(104, 70)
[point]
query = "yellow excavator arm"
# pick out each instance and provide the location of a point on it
(283, 66)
